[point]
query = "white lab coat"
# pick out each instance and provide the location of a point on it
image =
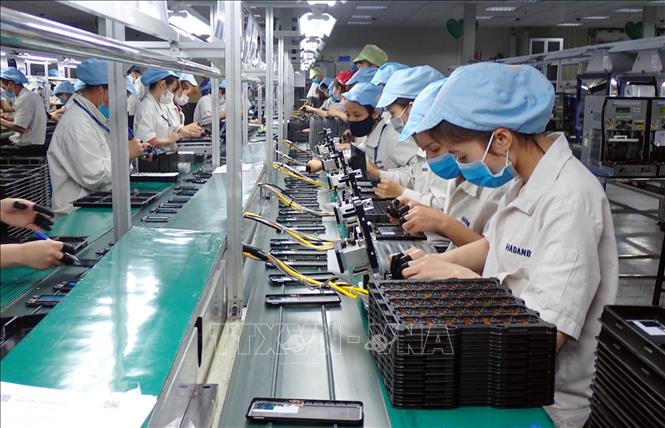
(133, 103)
(384, 149)
(151, 120)
(424, 186)
(311, 93)
(30, 114)
(175, 115)
(553, 244)
(79, 157)
(203, 109)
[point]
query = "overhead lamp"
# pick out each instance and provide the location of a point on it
(483, 17)
(312, 44)
(569, 24)
(2, 53)
(501, 9)
(361, 17)
(358, 22)
(595, 18)
(628, 10)
(36, 58)
(316, 24)
(72, 61)
(371, 7)
(330, 3)
(189, 23)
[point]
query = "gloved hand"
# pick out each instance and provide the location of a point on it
(23, 213)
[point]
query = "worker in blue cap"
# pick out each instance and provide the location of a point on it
(363, 75)
(29, 120)
(79, 157)
(187, 88)
(133, 100)
(324, 94)
(134, 73)
(203, 110)
(153, 123)
(64, 91)
(552, 240)
(385, 71)
(459, 210)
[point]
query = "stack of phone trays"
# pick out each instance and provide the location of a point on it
(628, 389)
(450, 343)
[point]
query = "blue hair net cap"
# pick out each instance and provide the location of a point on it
(487, 96)
(189, 78)
(54, 73)
(364, 75)
(13, 74)
(133, 68)
(93, 72)
(420, 107)
(129, 84)
(153, 75)
(365, 94)
(222, 84)
(64, 88)
(385, 71)
(327, 82)
(407, 83)
(78, 85)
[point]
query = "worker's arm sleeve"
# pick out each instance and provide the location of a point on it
(91, 162)
(25, 113)
(144, 126)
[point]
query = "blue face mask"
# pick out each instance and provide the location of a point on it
(334, 97)
(316, 81)
(105, 111)
(445, 166)
(63, 101)
(478, 173)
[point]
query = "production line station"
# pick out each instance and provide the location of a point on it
(332, 213)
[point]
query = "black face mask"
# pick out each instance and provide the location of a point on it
(361, 128)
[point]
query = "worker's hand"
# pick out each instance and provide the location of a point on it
(309, 109)
(343, 146)
(192, 130)
(55, 116)
(421, 219)
(388, 189)
(372, 170)
(314, 165)
(136, 148)
(403, 200)
(23, 213)
(414, 253)
(40, 254)
(432, 267)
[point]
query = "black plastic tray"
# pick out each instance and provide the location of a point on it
(104, 200)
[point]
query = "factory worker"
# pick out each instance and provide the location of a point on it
(382, 147)
(64, 91)
(153, 123)
(56, 115)
(29, 121)
(133, 100)
(203, 110)
(175, 114)
(370, 56)
(134, 72)
(385, 71)
(552, 240)
(41, 254)
(316, 76)
(363, 75)
(325, 93)
(187, 88)
(205, 87)
(79, 156)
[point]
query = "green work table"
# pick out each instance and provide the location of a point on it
(123, 324)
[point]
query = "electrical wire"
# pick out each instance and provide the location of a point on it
(289, 171)
(341, 287)
(304, 239)
(290, 159)
(293, 146)
(287, 200)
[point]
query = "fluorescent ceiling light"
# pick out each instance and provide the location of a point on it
(72, 61)
(330, 3)
(358, 22)
(501, 9)
(628, 10)
(189, 23)
(2, 53)
(312, 44)
(484, 17)
(569, 24)
(36, 58)
(371, 7)
(595, 18)
(316, 25)
(361, 17)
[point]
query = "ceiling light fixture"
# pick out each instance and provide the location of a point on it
(189, 23)
(316, 25)
(361, 17)
(358, 22)
(484, 17)
(595, 18)
(501, 9)
(330, 3)
(371, 7)
(628, 10)
(36, 58)
(569, 24)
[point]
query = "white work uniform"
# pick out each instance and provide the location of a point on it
(312, 90)
(30, 115)
(553, 244)
(203, 109)
(472, 205)
(424, 186)
(384, 150)
(175, 115)
(133, 103)
(151, 120)
(79, 157)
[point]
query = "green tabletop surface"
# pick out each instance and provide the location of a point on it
(122, 325)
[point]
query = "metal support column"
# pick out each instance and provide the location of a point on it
(216, 140)
(270, 93)
(234, 279)
(122, 216)
(259, 103)
(245, 116)
(281, 81)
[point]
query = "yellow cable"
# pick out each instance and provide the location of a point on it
(305, 239)
(290, 203)
(287, 170)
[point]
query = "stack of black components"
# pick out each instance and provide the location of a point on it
(295, 129)
(450, 343)
(104, 200)
(629, 383)
(159, 161)
(26, 178)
